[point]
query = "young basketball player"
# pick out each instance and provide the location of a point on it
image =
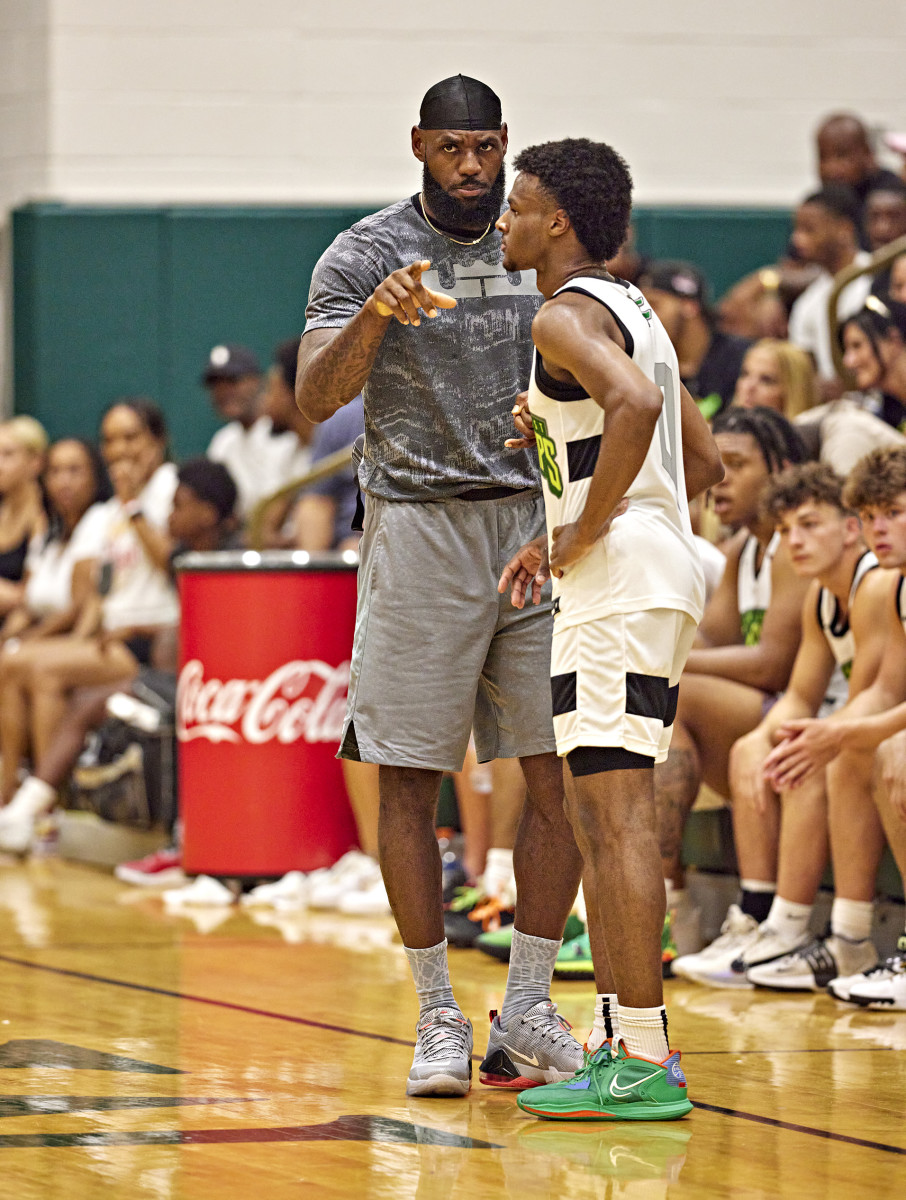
(621, 446)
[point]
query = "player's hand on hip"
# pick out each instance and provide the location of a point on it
(568, 547)
(522, 419)
(402, 295)
(526, 572)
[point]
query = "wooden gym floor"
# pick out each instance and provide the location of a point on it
(159, 1057)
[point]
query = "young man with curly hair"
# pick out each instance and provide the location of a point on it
(873, 724)
(842, 625)
(621, 446)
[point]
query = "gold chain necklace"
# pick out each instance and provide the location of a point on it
(449, 236)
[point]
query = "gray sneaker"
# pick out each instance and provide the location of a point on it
(533, 1049)
(442, 1065)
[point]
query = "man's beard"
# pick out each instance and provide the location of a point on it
(455, 214)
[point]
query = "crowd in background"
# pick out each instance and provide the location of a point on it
(89, 534)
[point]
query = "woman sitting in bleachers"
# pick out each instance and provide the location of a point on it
(22, 445)
(132, 597)
(779, 375)
(58, 575)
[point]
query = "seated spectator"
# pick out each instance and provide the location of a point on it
(280, 406)
(897, 283)
(825, 233)
(58, 573)
(782, 837)
(747, 639)
(872, 725)
(846, 156)
(132, 597)
(776, 374)
(885, 222)
(22, 445)
(709, 360)
(874, 352)
(202, 518)
(781, 376)
(323, 517)
(259, 457)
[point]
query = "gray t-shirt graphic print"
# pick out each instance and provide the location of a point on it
(439, 397)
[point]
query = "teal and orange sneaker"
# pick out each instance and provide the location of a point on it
(614, 1087)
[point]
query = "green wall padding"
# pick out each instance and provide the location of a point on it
(118, 301)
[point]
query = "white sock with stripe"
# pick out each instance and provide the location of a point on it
(643, 1031)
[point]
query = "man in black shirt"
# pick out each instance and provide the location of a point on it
(709, 361)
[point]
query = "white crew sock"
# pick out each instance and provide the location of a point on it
(606, 1023)
(33, 797)
(851, 919)
(643, 1031)
(498, 880)
(789, 918)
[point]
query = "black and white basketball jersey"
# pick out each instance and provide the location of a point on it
(648, 559)
(834, 624)
(901, 600)
(753, 587)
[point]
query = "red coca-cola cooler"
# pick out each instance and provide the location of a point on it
(265, 647)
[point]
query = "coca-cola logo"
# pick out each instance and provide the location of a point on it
(300, 699)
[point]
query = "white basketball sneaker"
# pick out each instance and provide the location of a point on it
(714, 964)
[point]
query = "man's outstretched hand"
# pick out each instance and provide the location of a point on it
(402, 294)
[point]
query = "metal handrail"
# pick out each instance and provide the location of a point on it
(878, 260)
(324, 468)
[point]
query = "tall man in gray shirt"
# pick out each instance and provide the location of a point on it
(412, 308)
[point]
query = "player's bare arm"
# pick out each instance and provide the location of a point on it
(766, 665)
(334, 364)
(805, 746)
(701, 458)
(580, 342)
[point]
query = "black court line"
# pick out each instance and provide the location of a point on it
(243, 1008)
(788, 1125)
(379, 1037)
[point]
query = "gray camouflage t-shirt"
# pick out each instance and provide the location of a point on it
(439, 397)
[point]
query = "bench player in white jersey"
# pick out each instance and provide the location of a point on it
(620, 445)
(872, 724)
(842, 624)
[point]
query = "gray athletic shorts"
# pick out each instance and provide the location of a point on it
(438, 652)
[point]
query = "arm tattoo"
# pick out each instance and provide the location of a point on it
(337, 371)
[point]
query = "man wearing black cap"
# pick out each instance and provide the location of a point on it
(709, 360)
(412, 307)
(258, 456)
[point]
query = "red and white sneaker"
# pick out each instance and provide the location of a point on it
(163, 868)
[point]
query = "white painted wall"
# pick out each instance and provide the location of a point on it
(304, 101)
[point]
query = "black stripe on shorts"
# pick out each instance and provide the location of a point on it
(563, 693)
(649, 696)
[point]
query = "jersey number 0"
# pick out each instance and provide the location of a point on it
(666, 422)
